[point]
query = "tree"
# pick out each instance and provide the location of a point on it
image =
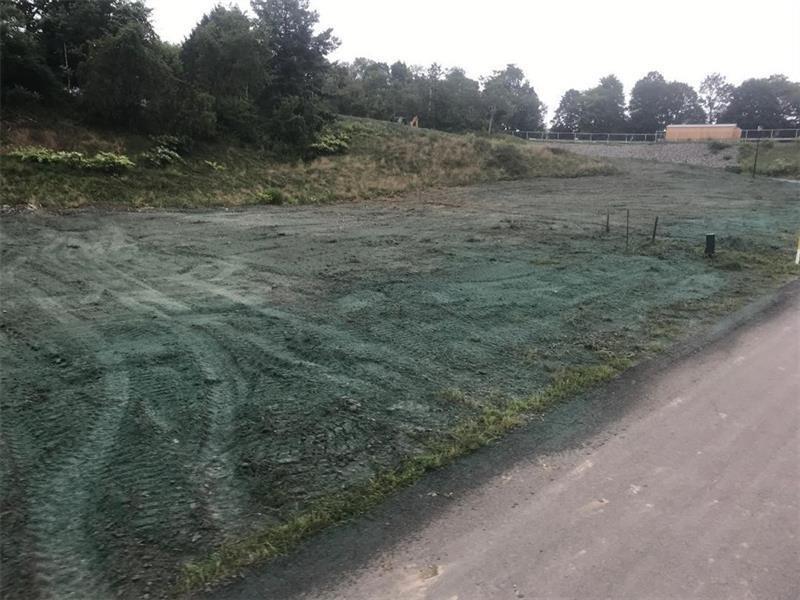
(568, 114)
(460, 106)
(656, 103)
(292, 102)
(69, 30)
(683, 104)
(23, 69)
(603, 107)
(771, 103)
(128, 83)
(512, 104)
(403, 81)
(715, 96)
(361, 88)
(123, 77)
(222, 57)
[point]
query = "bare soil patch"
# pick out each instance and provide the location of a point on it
(173, 379)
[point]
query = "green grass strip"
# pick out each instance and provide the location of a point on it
(470, 434)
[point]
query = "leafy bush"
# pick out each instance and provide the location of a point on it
(160, 157)
(107, 162)
(168, 150)
(295, 123)
(272, 196)
(331, 143)
(510, 159)
(179, 144)
(45, 156)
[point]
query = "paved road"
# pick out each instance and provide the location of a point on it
(696, 494)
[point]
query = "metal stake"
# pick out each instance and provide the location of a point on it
(711, 242)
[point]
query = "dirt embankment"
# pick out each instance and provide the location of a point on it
(684, 153)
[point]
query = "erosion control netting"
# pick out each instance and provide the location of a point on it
(171, 380)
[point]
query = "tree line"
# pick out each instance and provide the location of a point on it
(772, 103)
(259, 78)
(266, 78)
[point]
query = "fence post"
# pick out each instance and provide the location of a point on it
(655, 227)
(627, 227)
(755, 160)
(711, 243)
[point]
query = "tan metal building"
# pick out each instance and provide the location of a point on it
(702, 132)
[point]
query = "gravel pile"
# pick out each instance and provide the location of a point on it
(696, 153)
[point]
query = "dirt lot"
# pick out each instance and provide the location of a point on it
(171, 379)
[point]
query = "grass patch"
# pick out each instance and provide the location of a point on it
(356, 159)
(775, 159)
(717, 146)
(469, 435)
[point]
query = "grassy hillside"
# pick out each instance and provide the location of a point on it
(775, 159)
(382, 159)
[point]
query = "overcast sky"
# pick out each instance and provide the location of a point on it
(558, 43)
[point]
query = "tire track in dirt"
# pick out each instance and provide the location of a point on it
(63, 555)
(213, 470)
(286, 367)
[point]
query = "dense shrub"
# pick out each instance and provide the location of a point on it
(331, 143)
(179, 144)
(510, 159)
(107, 162)
(168, 150)
(45, 156)
(160, 157)
(272, 196)
(717, 146)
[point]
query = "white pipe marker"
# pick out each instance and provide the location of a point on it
(797, 257)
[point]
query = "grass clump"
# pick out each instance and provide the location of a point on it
(509, 159)
(272, 196)
(470, 434)
(717, 146)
